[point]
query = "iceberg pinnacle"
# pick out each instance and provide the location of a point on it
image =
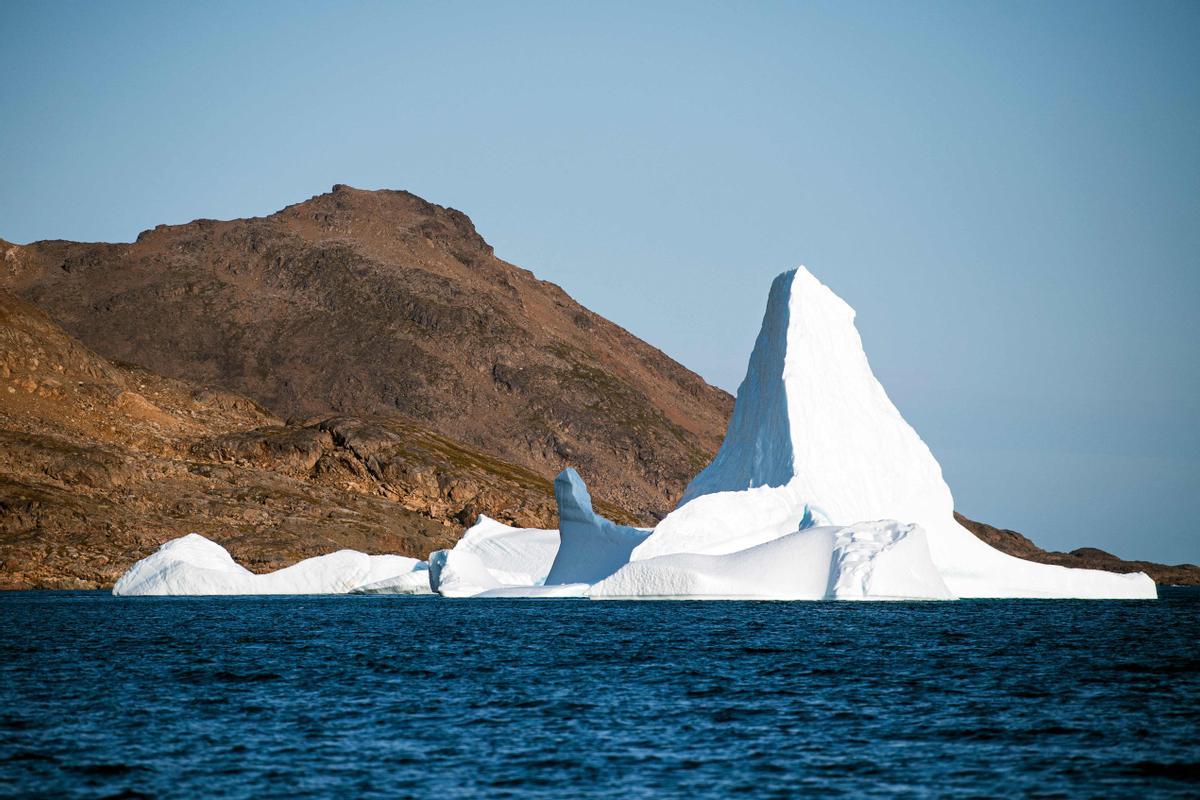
(590, 547)
(813, 432)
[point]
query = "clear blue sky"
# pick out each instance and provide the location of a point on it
(1009, 193)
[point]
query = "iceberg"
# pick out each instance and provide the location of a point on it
(815, 440)
(495, 560)
(820, 490)
(491, 555)
(194, 565)
(402, 579)
(460, 573)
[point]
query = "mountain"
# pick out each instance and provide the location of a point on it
(380, 303)
(357, 370)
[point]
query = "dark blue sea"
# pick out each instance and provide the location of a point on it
(424, 697)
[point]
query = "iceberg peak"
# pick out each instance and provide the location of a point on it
(814, 439)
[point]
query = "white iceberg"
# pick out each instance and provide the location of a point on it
(193, 565)
(396, 575)
(820, 490)
(495, 560)
(492, 555)
(460, 573)
(814, 440)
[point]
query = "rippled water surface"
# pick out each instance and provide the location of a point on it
(423, 697)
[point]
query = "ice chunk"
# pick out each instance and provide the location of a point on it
(591, 547)
(193, 565)
(395, 577)
(513, 556)
(495, 560)
(190, 564)
(459, 573)
(868, 561)
(492, 555)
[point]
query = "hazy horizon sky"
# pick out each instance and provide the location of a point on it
(1008, 193)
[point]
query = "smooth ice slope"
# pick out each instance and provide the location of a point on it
(813, 434)
(591, 547)
(193, 565)
(870, 560)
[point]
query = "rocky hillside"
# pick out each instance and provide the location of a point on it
(101, 462)
(380, 303)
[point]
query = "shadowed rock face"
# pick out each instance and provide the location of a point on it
(379, 303)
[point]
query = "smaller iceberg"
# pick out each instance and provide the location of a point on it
(193, 565)
(492, 555)
(495, 560)
(399, 579)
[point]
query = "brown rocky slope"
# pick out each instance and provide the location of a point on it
(1016, 544)
(378, 302)
(102, 462)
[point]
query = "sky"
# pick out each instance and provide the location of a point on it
(1008, 193)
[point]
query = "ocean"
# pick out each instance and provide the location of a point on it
(424, 697)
